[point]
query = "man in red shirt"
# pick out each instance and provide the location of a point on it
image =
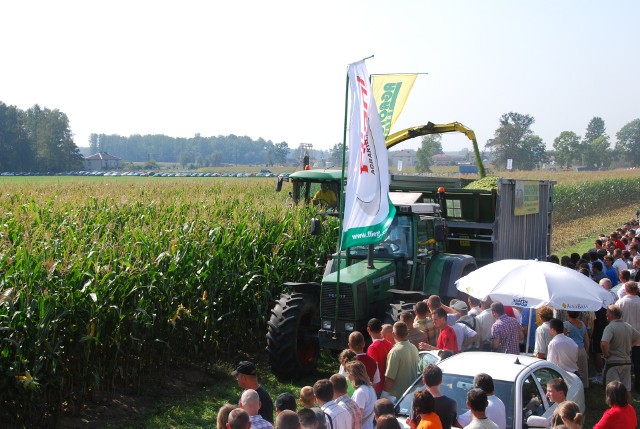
(447, 339)
(356, 343)
(378, 349)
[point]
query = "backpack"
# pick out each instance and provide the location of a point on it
(469, 320)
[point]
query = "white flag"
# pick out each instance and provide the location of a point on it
(368, 211)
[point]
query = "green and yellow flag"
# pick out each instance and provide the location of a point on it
(391, 92)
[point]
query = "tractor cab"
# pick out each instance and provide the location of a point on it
(416, 233)
(307, 183)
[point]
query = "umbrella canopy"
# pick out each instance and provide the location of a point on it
(528, 283)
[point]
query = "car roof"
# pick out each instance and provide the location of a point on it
(500, 366)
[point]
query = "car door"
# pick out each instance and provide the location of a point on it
(532, 400)
(542, 376)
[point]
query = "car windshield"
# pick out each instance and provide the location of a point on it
(397, 242)
(456, 387)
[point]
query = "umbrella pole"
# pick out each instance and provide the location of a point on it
(526, 350)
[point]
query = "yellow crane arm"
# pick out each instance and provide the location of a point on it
(431, 128)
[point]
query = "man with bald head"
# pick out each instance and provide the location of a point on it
(250, 402)
(606, 285)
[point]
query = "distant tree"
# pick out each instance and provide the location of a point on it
(595, 129)
(431, 145)
(15, 147)
(336, 153)
(52, 140)
(93, 143)
(567, 148)
(514, 140)
(281, 151)
(595, 147)
(629, 142)
(185, 158)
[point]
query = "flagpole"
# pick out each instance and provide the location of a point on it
(341, 213)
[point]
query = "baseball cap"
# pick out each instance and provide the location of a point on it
(460, 306)
(245, 367)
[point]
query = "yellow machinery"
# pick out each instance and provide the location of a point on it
(431, 128)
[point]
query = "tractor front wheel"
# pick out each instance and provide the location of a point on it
(292, 337)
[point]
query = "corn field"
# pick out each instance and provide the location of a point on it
(104, 281)
(574, 201)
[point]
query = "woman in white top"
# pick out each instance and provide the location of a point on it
(364, 394)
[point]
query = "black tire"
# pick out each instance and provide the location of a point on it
(292, 337)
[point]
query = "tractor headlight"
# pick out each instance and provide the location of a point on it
(349, 326)
(326, 325)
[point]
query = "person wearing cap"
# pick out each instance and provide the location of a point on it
(465, 334)
(285, 401)
(248, 379)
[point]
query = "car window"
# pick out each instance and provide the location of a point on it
(425, 360)
(533, 403)
(544, 375)
(455, 387)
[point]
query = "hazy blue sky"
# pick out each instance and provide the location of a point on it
(276, 69)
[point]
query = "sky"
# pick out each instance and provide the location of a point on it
(277, 69)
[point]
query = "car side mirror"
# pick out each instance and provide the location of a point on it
(316, 226)
(440, 233)
(279, 184)
(537, 422)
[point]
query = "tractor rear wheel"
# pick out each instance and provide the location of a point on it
(292, 337)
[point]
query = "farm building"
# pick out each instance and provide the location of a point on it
(101, 161)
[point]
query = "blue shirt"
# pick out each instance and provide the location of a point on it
(612, 274)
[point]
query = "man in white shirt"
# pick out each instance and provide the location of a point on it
(563, 351)
(630, 307)
(618, 263)
(484, 322)
(336, 416)
(465, 334)
(543, 334)
(495, 411)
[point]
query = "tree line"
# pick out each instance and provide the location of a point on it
(39, 140)
(198, 151)
(36, 140)
(514, 139)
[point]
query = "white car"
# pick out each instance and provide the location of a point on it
(520, 382)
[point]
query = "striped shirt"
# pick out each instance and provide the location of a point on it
(337, 417)
(352, 407)
(257, 422)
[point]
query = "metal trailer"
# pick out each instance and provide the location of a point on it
(510, 222)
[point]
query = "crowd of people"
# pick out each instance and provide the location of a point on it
(362, 392)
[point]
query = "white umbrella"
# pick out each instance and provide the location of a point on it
(528, 283)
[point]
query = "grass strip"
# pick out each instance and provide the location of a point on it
(578, 235)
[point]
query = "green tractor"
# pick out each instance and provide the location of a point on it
(380, 280)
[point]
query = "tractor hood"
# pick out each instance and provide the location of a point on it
(358, 273)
